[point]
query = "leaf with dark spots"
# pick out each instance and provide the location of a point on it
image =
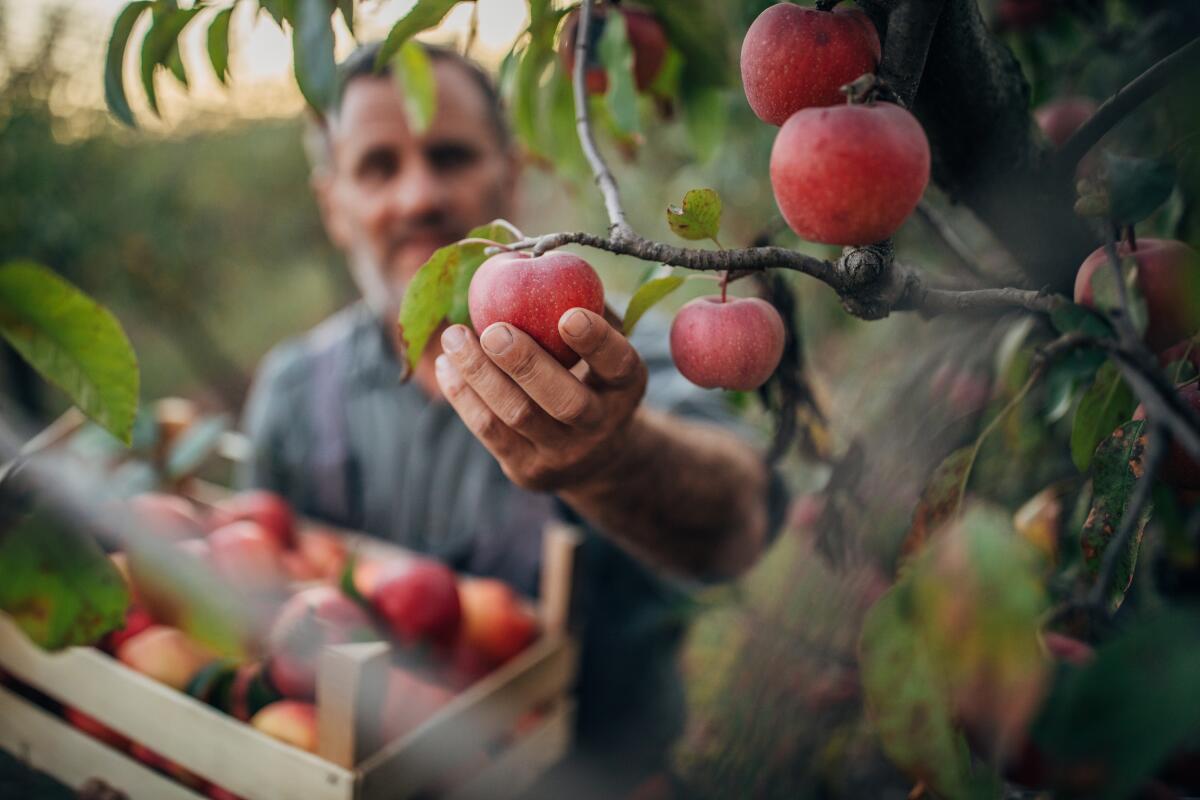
(938, 501)
(1116, 468)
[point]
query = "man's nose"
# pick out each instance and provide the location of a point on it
(420, 191)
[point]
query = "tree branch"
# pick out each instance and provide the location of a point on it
(1128, 98)
(910, 27)
(618, 226)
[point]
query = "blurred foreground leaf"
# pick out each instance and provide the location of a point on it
(1104, 406)
(74, 343)
(58, 585)
(114, 62)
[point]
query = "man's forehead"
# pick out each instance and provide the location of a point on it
(378, 103)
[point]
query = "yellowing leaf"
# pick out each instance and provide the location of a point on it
(699, 217)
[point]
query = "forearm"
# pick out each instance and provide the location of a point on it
(685, 495)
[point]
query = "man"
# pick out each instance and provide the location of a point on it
(492, 437)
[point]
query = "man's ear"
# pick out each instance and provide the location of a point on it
(323, 184)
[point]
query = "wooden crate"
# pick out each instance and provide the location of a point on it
(483, 719)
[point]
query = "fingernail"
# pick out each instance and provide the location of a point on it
(577, 324)
(443, 367)
(453, 339)
(496, 339)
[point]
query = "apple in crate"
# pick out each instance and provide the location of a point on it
(310, 620)
(137, 619)
(410, 700)
(289, 721)
(324, 551)
(165, 654)
(247, 556)
(419, 601)
(166, 515)
(264, 508)
(495, 622)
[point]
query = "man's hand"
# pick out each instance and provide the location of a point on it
(550, 428)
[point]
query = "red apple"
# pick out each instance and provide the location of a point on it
(849, 175)
(494, 620)
(246, 555)
(165, 654)
(1180, 469)
(532, 293)
(137, 619)
(646, 39)
(166, 766)
(96, 729)
(409, 701)
(735, 344)
(167, 515)
(420, 603)
(289, 721)
(795, 57)
(266, 508)
(1168, 277)
(1187, 350)
(1060, 118)
(308, 622)
(155, 580)
(324, 551)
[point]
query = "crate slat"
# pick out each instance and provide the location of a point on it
(541, 674)
(47, 743)
(515, 770)
(196, 736)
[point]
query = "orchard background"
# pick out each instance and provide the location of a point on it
(946, 607)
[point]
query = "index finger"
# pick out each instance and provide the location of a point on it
(607, 352)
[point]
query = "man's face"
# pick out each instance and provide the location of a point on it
(394, 196)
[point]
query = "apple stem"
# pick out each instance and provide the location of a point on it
(724, 284)
(827, 5)
(1131, 238)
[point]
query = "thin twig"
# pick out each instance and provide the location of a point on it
(617, 224)
(1128, 98)
(932, 302)
(958, 248)
(1156, 449)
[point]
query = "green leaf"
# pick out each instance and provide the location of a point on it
(907, 700)
(1105, 404)
(705, 119)
(471, 256)
(616, 54)
(114, 62)
(646, 296)
(1070, 317)
(58, 585)
(175, 64)
(414, 74)
(1116, 469)
(1136, 186)
(428, 299)
(557, 134)
(1144, 680)
(699, 217)
(74, 343)
(195, 446)
(939, 500)
(312, 52)
(424, 15)
(218, 44)
(160, 41)
(348, 586)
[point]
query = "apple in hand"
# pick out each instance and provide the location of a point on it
(730, 344)
(494, 621)
(1059, 119)
(849, 175)
(267, 509)
(420, 603)
(1168, 277)
(164, 654)
(247, 556)
(1180, 469)
(532, 293)
(310, 620)
(795, 57)
(289, 721)
(646, 39)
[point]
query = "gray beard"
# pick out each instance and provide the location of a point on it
(382, 297)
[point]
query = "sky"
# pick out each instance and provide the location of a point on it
(260, 52)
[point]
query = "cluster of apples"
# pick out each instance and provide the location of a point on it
(447, 630)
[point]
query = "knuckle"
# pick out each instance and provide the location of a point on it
(575, 410)
(473, 366)
(524, 366)
(488, 425)
(629, 368)
(519, 414)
